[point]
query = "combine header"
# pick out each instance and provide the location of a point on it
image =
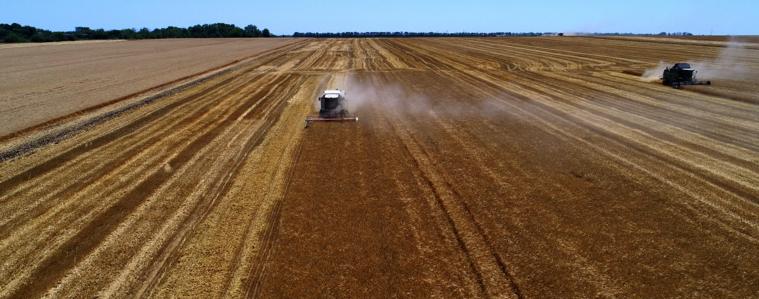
(333, 107)
(681, 74)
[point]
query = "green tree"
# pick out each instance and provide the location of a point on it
(83, 33)
(252, 31)
(17, 33)
(143, 33)
(12, 37)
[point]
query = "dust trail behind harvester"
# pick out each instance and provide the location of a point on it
(391, 98)
(728, 65)
(394, 98)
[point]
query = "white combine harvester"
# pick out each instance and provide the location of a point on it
(333, 107)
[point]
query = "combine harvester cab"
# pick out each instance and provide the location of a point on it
(681, 74)
(332, 107)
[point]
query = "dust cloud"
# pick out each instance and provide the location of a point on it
(655, 73)
(387, 97)
(395, 98)
(728, 65)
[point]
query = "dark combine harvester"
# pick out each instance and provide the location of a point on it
(332, 107)
(681, 74)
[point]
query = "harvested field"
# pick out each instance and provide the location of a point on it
(494, 167)
(43, 81)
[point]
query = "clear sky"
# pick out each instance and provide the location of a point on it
(286, 17)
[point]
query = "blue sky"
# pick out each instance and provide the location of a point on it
(285, 17)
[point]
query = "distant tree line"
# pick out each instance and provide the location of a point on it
(412, 34)
(466, 34)
(640, 34)
(16, 33)
(676, 33)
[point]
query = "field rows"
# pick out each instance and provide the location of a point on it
(515, 167)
